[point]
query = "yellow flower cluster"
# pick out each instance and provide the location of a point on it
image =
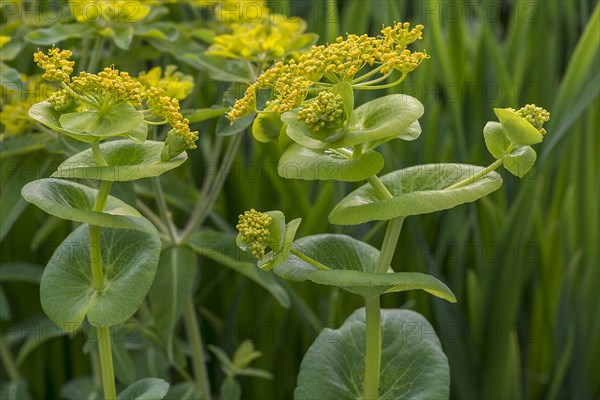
(109, 87)
(56, 63)
(253, 226)
(61, 100)
(120, 11)
(323, 112)
(337, 61)
(168, 108)
(536, 116)
(174, 83)
(272, 37)
(14, 115)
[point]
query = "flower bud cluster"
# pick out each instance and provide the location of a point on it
(323, 112)
(254, 229)
(109, 85)
(536, 116)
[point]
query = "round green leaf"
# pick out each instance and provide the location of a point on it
(517, 128)
(299, 162)
(413, 364)
(121, 120)
(520, 161)
(126, 161)
(352, 263)
(382, 118)
(129, 260)
(46, 115)
(278, 256)
(416, 190)
(145, 389)
(495, 139)
(75, 202)
(57, 33)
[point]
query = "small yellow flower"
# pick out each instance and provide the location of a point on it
(254, 230)
(3, 40)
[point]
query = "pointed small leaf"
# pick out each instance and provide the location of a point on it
(145, 389)
(520, 161)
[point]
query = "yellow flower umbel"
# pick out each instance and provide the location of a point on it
(325, 111)
(114, 91)
(14, 116)
(254, 231)
(270, 38)
(174, 83)
(342, 60)
(56, 63)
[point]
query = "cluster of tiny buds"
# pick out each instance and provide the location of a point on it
(61, 100)
(536, 116)
(254, 228)
(401, 35)
(168, 108)
(56, 63)
(405, 62)
(323, 112)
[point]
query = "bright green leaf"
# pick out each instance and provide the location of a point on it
(266, 127)
(413, 365)
(120, 120)
(299, 162)
(517, 128)
(416, 190)
(75, 202)
(352, 263)
(57, 33)
(520, 160)
(495, 139)
(126, 161)
(129, 260)
(46, 115)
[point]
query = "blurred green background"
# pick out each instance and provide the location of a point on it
(524, 262)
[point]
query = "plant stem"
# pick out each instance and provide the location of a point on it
(96, 53)
(94, 232)
(390, 241)
(204, 204)
(194, 336)
(380, 188)
(309, 260)
(477, 176)
(162, 208)
(373, 348)
(106, 363)
(8, 362)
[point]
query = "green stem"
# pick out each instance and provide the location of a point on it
(471, 179)
(380, 188)
(163, 209)
(98, 154)
(205, 203)
(368, 74)
(194, 336)
(390, 241)
(373, 348)
(8, 362)
(106, 363)
(96, 53)
(389, 85)
(309, 260)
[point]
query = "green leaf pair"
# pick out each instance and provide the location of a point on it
(517, 159)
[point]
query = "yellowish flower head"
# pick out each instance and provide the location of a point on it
(174, 83)
(338, 61)
(254, 230)
(119, 11)
(270, 38)
(3, 40)
(57, 64)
